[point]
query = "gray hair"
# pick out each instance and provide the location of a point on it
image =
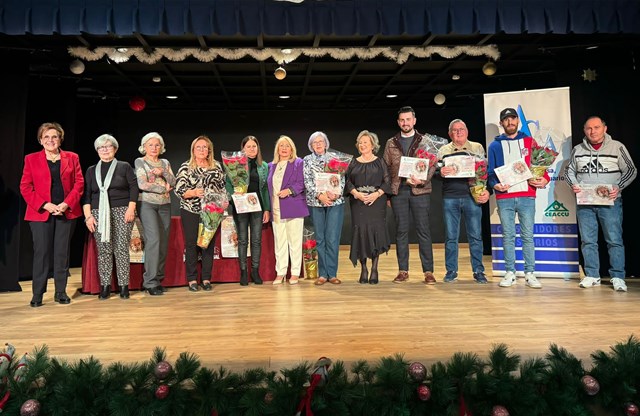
(454, 121)
(103, 139)
(318, 134)
(374, 140)
(146, 138)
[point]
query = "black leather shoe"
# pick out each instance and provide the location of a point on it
(36, 301)
(105, 292)
(155, 291)
(207, 286)
(255, 276)
(193, 287)
(62, 298)
(373, 278)
(364, 276)
(162, 288)
(244, 278)
(124, 292)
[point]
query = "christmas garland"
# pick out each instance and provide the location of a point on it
(502, 384)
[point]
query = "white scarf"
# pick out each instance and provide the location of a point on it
(104, 210)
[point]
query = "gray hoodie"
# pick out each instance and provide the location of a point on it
(611, 164)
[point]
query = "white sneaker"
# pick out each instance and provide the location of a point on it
(619, 285)
(531, 280)
(508, 280)
(590, 281)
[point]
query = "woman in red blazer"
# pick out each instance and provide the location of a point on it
(51, 184)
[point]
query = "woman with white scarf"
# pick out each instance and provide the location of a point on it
(109, 205)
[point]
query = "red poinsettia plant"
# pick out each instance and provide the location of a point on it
(211, 216)
(541, 159)
(236, 166)
(310, 250)
(478, 183)
(337, 162)
(424, 154)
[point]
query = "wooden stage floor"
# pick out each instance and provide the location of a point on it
(279, 326)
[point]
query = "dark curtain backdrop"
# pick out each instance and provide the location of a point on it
(14, 85)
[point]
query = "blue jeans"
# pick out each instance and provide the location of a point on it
(453, 209)
(610, 218)
(525, 207)
(405, 206)
(327, 223)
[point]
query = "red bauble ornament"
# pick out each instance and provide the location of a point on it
(162, 370)
(590, 385)
(499, 411)
(417, 371)
(137, 103)
(30, 408)
(424, 392)
(630, 409)
(162, 391)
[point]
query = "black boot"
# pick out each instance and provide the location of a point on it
(105, 292)
(364, 273)
(124, 292)
(62, 297)
(244, 278)
(255, 276)
(373, 279)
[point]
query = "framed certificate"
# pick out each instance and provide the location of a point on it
(248, 202)
(328, 182)
(414, 166)
(464, 166)
(591, 194)
(513, 173)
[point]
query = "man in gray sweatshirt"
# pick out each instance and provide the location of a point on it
(600, 160)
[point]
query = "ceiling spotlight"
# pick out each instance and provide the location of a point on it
(439, 99)
(280, 73)
(172, 97)
(284, 97)
(156, 79)
(392, 95)
(455, 77)
(76, 66)
(489, 68)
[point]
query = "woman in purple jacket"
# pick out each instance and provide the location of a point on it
(288, 208)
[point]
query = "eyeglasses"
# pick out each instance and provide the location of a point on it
(201, 148)
(105, 148)
(458, 130)
(50, 138)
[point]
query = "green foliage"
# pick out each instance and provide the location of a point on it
(533, 387)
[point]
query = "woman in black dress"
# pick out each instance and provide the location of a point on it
(367, 181)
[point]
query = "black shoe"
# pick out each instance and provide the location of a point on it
(161, 288)
(244, 279)
(124, 292)
(155, 291)
(255, 276)
(36, 301)
(207, 286)
(62, 298)
(373, 279)
(364, 276)
(105, 292)
(193, 286)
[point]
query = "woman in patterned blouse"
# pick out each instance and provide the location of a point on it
(200, 174)
(155, 180)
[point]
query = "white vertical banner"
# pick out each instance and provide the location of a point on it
(544, 115)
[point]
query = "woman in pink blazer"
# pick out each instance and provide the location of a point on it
(51, 185)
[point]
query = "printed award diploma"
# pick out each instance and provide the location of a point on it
(414, 166)
(591, 194)
(464, 166)
(246, 202)
(513, 173)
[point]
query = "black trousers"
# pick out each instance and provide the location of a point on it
(244, 222)
(51, 241)
(190, 223)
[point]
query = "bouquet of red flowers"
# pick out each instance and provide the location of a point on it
(236, 167)
(337, 162)
(213, 207)
(478, 183)
(310, 255)
(541, 159)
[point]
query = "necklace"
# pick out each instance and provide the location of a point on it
(53, 157)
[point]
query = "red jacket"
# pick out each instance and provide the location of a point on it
(35, 185)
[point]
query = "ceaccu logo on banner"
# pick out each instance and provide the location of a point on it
(544, 115)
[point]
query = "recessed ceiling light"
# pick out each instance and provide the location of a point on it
(172, 97)
(591, 47)
(284, 97)
(392, 95)
(156, 79)
(455, 77)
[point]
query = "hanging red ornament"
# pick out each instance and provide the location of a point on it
(424, 392)
(631, 409)
(590, 385)
(417, 371)
(162, 370)
(137, 103)
(499, 411)
(162, 391)
(30, 408)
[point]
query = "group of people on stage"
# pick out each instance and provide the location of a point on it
(111, 192)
